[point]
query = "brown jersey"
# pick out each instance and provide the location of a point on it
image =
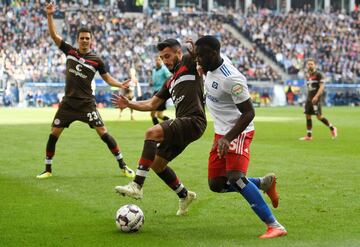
(80, 72)
(313, 81)
(186, 89)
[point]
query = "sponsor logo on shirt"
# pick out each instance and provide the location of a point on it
(236, 90)
(178, 100)
(212, 98)
(215, 85)
(77, 73)
(78, 67)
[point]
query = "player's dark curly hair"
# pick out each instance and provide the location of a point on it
(168, 43)
(210, 42)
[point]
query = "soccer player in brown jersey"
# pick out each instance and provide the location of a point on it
(315, 86)
(79, 101)
(185, 88)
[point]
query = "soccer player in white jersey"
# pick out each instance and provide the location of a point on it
(228, 100)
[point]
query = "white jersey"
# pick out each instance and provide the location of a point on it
(225, 87)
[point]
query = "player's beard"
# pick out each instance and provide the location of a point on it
(176, 62)
(311, 70)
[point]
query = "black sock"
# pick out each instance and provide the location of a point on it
(170, 178)
(326, 122)
(165, 118)
(114, 148)
(309, 127)
(155, 120)
(50, 151)
(48, 168)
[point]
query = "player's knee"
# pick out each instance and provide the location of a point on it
(216, 186)
(154, 133)
(236, 176)
(101, 130)
(151, 134)
(319, 117)
(56, 131)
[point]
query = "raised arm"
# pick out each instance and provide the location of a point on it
(50, 10)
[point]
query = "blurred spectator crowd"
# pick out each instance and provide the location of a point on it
(27, 53)
(333, 39)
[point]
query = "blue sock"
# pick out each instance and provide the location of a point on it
(255, 181)
(252, 195)
(230, 188)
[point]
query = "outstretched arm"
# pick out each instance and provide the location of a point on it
(120, 101)
(50, 10)
(115, 83)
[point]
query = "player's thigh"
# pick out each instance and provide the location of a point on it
(92, 118)
(319, 109)
(309, 108)
(178, 134)
(238, 157)
(181, 131)
(169, 151)
(64, 116)
(216, 166)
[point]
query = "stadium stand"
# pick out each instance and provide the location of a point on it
(30, 61)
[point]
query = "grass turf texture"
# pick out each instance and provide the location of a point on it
(317, 181)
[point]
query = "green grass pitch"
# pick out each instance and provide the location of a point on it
(318, 183)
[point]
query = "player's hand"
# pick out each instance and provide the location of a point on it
(315, 100)
(119, 101)
(50, 8)
(223, 147)
(125, 84)
(190, 47)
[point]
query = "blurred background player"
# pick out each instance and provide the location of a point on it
(79, 101)
(229, 102)
(160, 74)
(315, 88)
(129, 92)
(186, 89)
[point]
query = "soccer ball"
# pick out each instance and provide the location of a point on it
(129, 218)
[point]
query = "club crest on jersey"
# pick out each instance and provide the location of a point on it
(236, 90)
(215, 85)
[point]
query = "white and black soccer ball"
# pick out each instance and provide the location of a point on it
(129, 218)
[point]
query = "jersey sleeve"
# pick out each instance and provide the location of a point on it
(236, 86)
(65, 47)
(163, 92)
(321, 78)
(101, 68)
